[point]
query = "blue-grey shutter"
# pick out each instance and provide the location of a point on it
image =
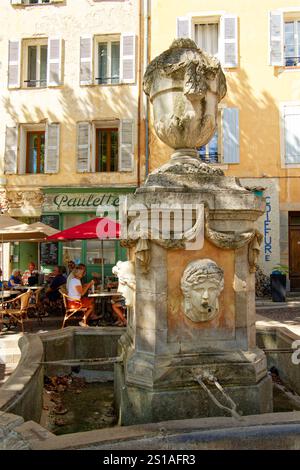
(83, 147)
(128, 59)
(86, 60)
(54, 65)
(183, 27)
(14, 62)
(231, 135)
(126, 152)
(229, 35)
(276, 38)
(11, 148)
(52, 148)
(292, 134)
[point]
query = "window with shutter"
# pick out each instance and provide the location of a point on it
(291, 134)
(11, 146)
(35, 63)
(215, 33)
(224, 145)
(83, 147)
(86, 60)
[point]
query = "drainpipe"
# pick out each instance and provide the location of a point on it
(140, 95)
(146, 61)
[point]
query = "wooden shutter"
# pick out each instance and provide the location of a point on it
(231, 135)
(183, 27)
(11, 148)
(54, 62)
(52, 148)
(276, 38)
(229, 41)
(292, 134)
(86, 60)
(14, 52)
(126, 145)
(127, 52)
(83, 147)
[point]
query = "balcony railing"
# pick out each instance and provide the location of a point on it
(35, 83)
(292, 61)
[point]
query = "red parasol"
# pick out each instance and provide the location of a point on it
(101, 228)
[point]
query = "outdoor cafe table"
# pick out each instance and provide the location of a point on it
(103, 296)
(29, 287)
(5, 294)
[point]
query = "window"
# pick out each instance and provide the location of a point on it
(38, 149)
(108, 59)
(292, 43)
(290, 118)
(107, 149)
(214, 32)
(35, 152)
(105, 146)
(206, 37)
(224, 147)
(209, 153)
(36, 66)
(284, 38)
(35, 63)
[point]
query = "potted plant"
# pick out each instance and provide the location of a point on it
(278, 282)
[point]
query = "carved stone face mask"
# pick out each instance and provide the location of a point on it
(201, 284)
(203, 301)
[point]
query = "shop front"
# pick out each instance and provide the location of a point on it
(64, 208)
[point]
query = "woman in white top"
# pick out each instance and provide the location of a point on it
(76, 291)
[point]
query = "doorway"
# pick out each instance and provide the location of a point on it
(294, 250)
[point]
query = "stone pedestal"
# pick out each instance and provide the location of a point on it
(163, 349)
(194, 311)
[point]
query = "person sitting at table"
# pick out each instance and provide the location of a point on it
(119, 308)
(15, 278)
(71, 274)
(76, 291)
(30, 276)
(57, 280)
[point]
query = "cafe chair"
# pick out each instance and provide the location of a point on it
(70, 312)
(36, 308)
(16, 309)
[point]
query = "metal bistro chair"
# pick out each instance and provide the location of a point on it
(16, 313)
(70, 312)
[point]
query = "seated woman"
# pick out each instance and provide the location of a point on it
(119, 308)
(76, 291)
(15, 279)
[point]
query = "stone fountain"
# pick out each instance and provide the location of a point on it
(190, 348)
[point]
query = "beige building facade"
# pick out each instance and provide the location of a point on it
(70, 107)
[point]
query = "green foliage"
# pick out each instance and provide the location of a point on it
(281, 268)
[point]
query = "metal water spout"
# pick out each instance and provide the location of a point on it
(209, 378)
